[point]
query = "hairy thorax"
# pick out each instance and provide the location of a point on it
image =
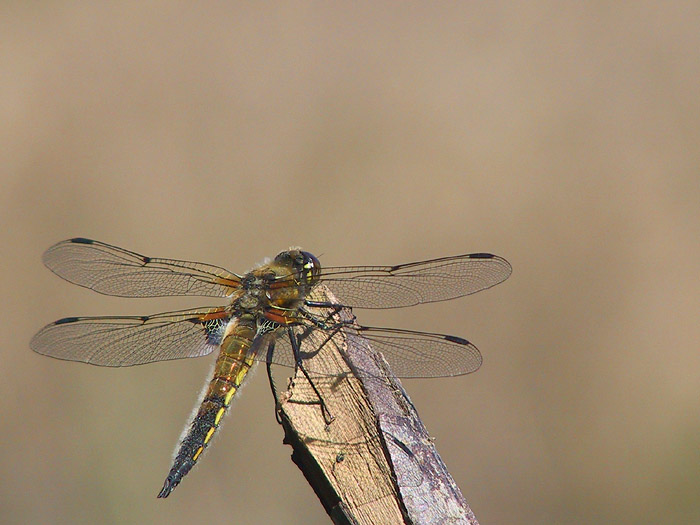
(278, 286)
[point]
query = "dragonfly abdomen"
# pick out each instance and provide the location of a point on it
(233, 363)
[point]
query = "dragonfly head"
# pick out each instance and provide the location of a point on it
(304, 265)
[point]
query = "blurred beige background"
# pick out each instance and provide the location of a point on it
(563, 137)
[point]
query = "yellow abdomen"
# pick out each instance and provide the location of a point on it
(233, 363)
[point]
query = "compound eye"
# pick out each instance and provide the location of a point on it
(311, 267)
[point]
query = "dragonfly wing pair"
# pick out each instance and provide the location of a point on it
(133, 340)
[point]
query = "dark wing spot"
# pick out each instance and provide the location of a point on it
(82, 240)
(66, 320)
(455, 339)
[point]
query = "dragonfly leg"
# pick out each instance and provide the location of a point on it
(271, 379)
(328, 322)
(323, 304)
(327, 416)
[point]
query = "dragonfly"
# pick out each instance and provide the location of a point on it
(269, 310)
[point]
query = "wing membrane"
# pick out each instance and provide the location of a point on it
(422, 354)
(415, 283)
(126, 341)
(111, 270)
(410, 354)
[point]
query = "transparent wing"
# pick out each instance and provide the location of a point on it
(111, 270)
(126, 341)
(415, 283)
(422, 354)
(409, 353)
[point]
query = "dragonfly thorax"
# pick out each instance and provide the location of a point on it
(280, 284)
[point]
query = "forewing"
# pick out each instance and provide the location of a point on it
(111, 270)
(126, 341)
(415, 283)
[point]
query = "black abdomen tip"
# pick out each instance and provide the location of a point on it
(168, 487)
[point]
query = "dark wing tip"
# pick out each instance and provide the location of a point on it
(81, 240)
(458, 340)
(66, 320)
(504, 262)
(37, 343)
